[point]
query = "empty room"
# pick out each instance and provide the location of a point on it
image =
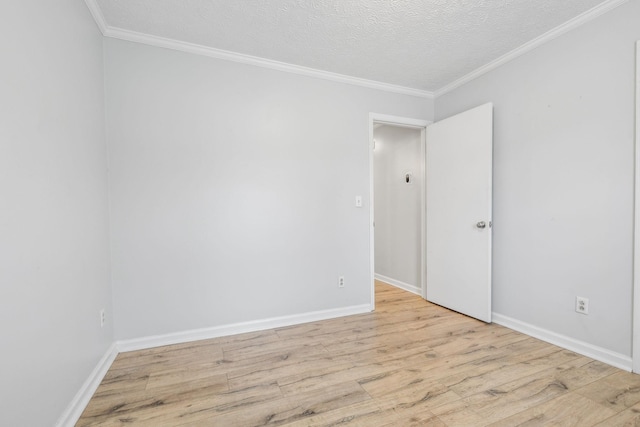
(319, 213)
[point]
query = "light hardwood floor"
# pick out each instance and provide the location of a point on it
(409, 363)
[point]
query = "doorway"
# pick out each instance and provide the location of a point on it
(456, 200)
(396, 162)
(398, 197)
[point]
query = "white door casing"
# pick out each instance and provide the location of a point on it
(635, 349)
(458, 203)
(394, 121)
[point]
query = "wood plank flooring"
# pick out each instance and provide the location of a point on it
(409, 363)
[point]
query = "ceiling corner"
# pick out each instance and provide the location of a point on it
(96, 12)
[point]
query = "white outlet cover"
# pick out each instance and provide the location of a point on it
(582, 305)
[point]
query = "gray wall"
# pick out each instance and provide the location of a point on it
(563, 179)
(398, 211)
(53, 216)
(232, 189)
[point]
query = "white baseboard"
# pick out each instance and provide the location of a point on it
(598, 353)
(80, 401)
(71, 415)
(238, 328)
(398, 284)
(73, 412)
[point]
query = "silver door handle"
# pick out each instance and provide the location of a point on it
(481, 224)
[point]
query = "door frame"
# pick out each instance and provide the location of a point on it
(635, 336)
(375, 118)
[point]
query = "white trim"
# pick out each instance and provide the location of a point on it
(238, 328)
(403, 122)
(97, 15)
(71, 415)
(579, 20)
(636, 228)
(372, 234)
(398, 284)
(398, 121)
(197, 49)
(134, 36)
(74, 410)
(598, 353)
(423, 212)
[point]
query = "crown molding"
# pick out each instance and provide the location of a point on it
(122, 34)
(579, 20)
(97, 15)
(133, 36)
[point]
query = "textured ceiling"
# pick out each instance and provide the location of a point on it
(421, 44)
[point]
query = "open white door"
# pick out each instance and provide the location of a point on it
(458, 223)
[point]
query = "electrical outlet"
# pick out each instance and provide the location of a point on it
(341, 282)
(103, 318)
(582, 305)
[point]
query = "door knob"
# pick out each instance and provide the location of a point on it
(481, 224)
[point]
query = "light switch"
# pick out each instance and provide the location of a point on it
(358, 201)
